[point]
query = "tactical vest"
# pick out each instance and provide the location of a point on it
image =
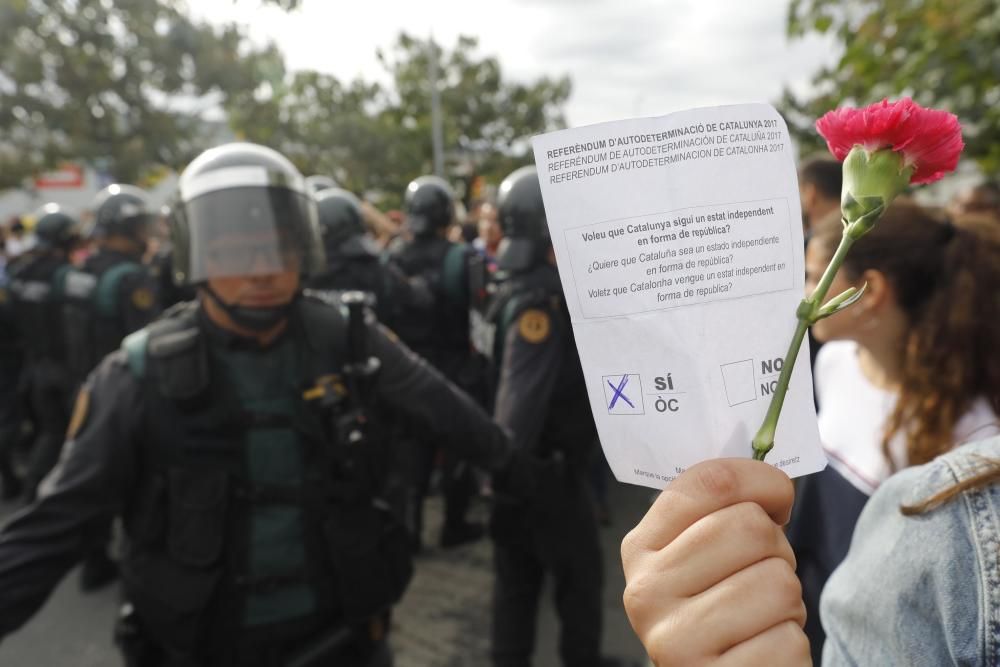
(352, 273)
(36, 287)
(443, 334)
(90, 314)
(189, 567)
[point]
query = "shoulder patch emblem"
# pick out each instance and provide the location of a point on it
(80, 411)
(142, 298)
(534, 325)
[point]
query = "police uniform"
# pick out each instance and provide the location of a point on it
(113, 294)
(10, 372)
(106, 299)
(37, 279)
(248, 477)
(541, 399)
(355, 263)
(439, 332)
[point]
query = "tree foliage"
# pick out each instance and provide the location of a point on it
(943, 53)
(322, 125)
(125, 85)
(375, 137)
(118, 83)
(484, 116)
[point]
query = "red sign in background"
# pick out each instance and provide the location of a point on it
(67, 176)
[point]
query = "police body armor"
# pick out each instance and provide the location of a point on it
(36, 288)
(186, 567)
(355, 269)
(90, 311)
(441, 336)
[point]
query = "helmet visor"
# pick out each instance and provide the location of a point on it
(250, 231)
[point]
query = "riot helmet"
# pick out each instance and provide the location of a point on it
(317, 183)
(342, 224)
(522, 218)
(122, 210)
(242, 210)
(54, 228)
(429, 204)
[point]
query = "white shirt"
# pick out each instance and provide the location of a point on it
(17, 246)
(853, 414)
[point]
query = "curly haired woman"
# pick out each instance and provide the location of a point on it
(908, 373)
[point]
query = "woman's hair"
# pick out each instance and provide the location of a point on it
(946, 278)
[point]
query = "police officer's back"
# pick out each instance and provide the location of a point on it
(113, 294)
(233, 436)
(355, 262)
(541, 399)
(440, 333)
(37, 285)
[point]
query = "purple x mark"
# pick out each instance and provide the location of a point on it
(619, 393)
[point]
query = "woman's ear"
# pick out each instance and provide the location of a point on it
(878, 294)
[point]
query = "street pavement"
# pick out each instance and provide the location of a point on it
(443, 620)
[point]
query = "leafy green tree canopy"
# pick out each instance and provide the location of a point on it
(375, 137)
(120, 83)
(943, 53)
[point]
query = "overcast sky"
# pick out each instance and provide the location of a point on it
(625, 57)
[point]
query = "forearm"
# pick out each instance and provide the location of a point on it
(410, 385)
(37, 547)
(40, 543)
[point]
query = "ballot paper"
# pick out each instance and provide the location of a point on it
(680, 249)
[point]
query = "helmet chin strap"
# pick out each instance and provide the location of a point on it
(255, 319)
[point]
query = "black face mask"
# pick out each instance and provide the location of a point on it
(254, 319)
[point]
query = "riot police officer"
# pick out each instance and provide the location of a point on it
(109, 297)
(11, 359)
(355, 262)
(233, 436)
(440, 334)
(541, 399)
(37, 283)
(112, 295)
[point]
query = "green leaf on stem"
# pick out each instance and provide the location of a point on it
(838, 303)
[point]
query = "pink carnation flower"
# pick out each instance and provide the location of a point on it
(929, 140)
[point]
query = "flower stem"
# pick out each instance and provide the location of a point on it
(807, 315)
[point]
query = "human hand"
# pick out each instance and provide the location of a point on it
(378, 222)
(710, 577)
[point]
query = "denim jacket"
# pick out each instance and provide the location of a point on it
(923, 590)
